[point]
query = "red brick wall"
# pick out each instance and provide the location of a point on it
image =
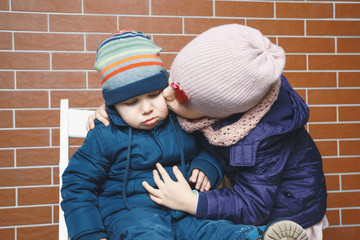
(47, 52)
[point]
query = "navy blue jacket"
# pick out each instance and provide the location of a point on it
(276, 170)
(105, 175)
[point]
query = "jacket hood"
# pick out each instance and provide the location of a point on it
(289, 112)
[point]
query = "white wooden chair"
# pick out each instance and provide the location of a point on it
(72, 124)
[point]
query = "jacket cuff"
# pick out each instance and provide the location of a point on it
(210, 171)
(93, 236)
(202, 206)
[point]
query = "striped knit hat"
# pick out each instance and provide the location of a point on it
(129, 65)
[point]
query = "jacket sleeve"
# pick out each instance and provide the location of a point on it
(206, 163)
(81, 180)
(251, 199)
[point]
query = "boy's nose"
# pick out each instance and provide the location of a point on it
(168, 93)
(147, 107)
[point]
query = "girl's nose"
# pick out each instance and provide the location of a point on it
(168, 93)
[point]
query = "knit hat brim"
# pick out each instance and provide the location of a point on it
(140, 87)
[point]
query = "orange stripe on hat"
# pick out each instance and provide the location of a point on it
(128, 59)
(123, 69)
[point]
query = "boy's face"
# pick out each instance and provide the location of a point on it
(178, 108)
(144, 111)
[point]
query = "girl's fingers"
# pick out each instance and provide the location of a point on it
(178, 174)
(150, 189)
(165, 176)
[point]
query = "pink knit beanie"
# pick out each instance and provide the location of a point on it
(227, 69)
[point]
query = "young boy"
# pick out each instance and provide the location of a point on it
(102, 191)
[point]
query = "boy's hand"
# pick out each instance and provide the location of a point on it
(201, 180)
(175, 195)
(101, 115)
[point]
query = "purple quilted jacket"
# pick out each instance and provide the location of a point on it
(275, 171)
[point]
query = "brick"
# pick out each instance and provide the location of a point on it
(38, 195)
(25, 216)
(4, 5)
(295, 62)
(49, 41)
(349, 113)
(199, 25)
(136, 7)
(349, 79)
(343, 199)
(7, 158)
(332, 182)
(24, 60)
(91, 98)
(302, 93)
(334, 62)
(38, 232)
(82, 23)
(172, 43)
(6, 119)
(350, 216)
(334, 96)
(37, 118)
(333, 131)
(304, 10)
(94, 80)
(349, 147)
(307, 45)
(168, 59)
(311, 79)
(322, 114)
(332, 28)
(93, 41)
(7, 80)
(23, 22)
(37, 157)
(348, 45)
(278, 27)
(5, 41)
(333, 217)
(182, 7)
(73, 61)
(7, 233)
(25, 177)
(350, 182)
(23, 99)
(244, 9)
(347, 10)
(341, 165)
(148, 25)
(327, 148)
(66, 6)
(341, 233)
(56, 179)
(7, 197)
(50, 80)
(24, 138)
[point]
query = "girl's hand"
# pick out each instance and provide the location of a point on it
(101, 115)
(175, 195)
(200, 179)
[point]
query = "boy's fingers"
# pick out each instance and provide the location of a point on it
(200, 180)
(194, 175)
